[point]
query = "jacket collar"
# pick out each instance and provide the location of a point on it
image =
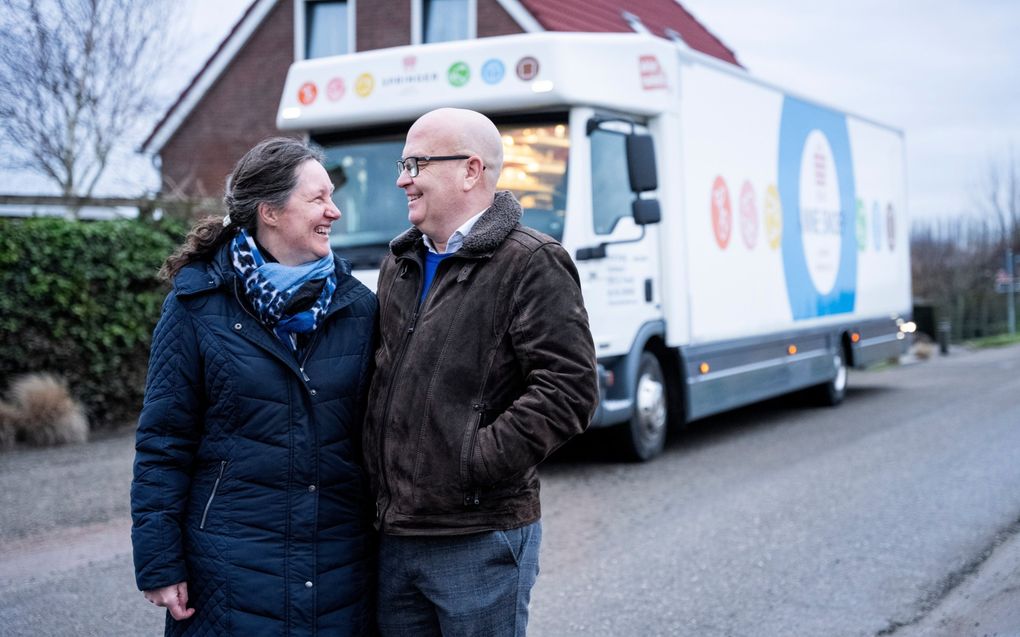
(491, 230)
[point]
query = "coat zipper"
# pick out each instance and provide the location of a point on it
(473, 498)
(308, 350)
(380, 512)
(216, 485)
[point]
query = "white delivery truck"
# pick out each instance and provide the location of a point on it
(734, 241)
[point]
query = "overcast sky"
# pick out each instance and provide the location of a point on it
(946, 72)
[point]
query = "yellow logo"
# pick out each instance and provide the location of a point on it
(364, 84)
(773, 217)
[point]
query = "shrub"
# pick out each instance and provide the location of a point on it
(7, 431)
(43, 412)
(82, 298)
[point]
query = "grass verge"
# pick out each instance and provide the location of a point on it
(999, 340)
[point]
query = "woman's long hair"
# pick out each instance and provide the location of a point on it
(267, 174)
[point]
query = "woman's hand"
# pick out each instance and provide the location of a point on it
(174, 598)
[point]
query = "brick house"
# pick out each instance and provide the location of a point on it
(231, 103)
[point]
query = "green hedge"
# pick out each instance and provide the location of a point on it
(81, 299)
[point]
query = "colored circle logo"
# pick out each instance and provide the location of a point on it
(364, 85)
(748, 216)
(722, 213)
(458, 74)
(307, 93)
(862, 227)
(335, 89)
(527, 68)
(493, 71)
(773, 217)
(816, 188)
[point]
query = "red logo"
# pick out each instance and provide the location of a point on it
(527, 68)
(409, 63)
(722, 212)
(652, 75)
(306, 94)
(335, 89)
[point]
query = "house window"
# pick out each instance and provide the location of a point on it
(443, 20)
(327, 28)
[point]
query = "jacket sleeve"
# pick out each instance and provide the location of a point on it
(165, 446)
(553, 345)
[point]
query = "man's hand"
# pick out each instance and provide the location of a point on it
(174, 598)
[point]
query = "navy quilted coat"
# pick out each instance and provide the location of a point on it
(247, 479)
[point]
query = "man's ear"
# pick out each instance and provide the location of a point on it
(475, 172)
(269, 215)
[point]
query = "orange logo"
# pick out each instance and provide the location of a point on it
(307, 93)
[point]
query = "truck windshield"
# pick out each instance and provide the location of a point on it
(375, 210)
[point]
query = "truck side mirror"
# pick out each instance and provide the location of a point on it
(646, 211)
(641, 163)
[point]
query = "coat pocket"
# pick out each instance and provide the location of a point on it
(212, 494)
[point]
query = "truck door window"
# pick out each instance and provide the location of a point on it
(610, 191)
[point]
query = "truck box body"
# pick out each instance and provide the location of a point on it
(781, 255)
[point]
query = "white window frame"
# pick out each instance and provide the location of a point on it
(418, 20)
(300, 14)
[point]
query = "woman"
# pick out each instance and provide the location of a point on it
(248, 501)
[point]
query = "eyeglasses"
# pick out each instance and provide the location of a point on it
(412, 164)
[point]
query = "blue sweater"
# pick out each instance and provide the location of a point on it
(432, 261)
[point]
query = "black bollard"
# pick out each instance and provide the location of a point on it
(943, 329)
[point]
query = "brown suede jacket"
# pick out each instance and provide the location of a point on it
(480, 383)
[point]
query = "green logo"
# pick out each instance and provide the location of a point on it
(459, 74)
(862, 227)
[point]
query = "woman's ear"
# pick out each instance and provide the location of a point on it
(268, 215)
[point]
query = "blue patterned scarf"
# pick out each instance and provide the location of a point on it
(270, 287)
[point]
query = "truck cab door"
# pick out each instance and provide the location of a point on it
(618, 264)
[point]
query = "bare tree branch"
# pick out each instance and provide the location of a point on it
(76, 77)
(954, 262)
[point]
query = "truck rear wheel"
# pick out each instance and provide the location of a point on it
(833, 392)
(644, 435)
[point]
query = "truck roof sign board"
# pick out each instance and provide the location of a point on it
(502, 74)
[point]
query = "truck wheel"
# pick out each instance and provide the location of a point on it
(645, 435)
(833, 392)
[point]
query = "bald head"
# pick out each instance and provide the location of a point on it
(466, 132)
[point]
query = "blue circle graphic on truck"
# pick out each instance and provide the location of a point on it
(493, 71)
(816, 188)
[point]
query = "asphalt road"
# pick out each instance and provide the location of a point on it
(894, 514)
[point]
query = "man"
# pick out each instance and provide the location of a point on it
(485, 366)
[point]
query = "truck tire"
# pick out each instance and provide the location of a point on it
(833, 392)
(644, 435)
